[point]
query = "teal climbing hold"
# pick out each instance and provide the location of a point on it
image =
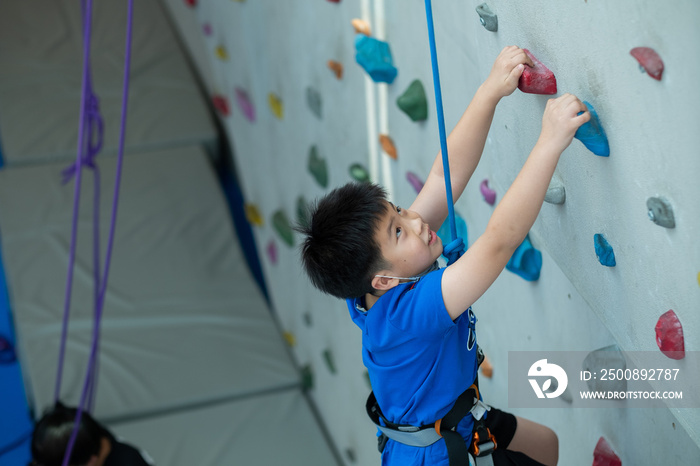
(359, 173)
(313, 100)
(302, 212)
(446, 235)
(526, 261)
(605, 253)
(284, 229)
(592, 135)
(317, 167)
(374, 56)
(413, 101)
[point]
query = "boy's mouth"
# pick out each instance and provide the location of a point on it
(432, 237)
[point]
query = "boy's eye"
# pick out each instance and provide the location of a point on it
(398, 209)
(398, 232)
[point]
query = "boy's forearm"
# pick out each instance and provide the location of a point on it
(518, 210)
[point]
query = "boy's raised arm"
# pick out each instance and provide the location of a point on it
(470, 276)
(466, 141)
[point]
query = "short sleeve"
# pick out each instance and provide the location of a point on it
(419, 309)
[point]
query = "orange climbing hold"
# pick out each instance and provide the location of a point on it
(388, 146)
(649, 60)
(336, 67)
(361, 26)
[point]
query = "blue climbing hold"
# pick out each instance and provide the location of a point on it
(526, 261)
(592, 135)
(375, 57)
(604, 251)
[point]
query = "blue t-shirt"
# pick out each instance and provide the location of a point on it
(419, 361)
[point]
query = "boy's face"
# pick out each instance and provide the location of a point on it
(406, 242)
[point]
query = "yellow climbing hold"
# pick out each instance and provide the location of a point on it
(336, 67)
(221, 53)
(699, 278)
(275, 105)
(290, 338)
(252, 214)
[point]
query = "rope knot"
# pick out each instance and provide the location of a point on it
(453, 250)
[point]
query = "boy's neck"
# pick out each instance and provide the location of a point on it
(370, 299)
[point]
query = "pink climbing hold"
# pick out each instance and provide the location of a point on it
(221, 104)
(488, 193)
(245, 104)
(538, 79)
(649, 60)
(603, 455)
(272, 252)
(669, 335)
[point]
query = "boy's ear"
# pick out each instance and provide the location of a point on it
(383, 283)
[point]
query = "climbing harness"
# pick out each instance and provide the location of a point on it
(468, 404)
(89, 112)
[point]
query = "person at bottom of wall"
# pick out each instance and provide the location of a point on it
(94, 444)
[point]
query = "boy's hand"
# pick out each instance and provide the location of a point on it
(560, 121)
(506, 71)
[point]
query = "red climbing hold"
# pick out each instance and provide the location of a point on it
(669, 335)
(649, 60)
(538, 79)
(221, 104)
(603, 455)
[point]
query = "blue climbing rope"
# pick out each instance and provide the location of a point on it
(455, 248)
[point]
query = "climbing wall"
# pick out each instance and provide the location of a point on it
(618, 243)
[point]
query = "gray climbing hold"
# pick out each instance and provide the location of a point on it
(660, 212)
(602, 362)
(556, 194)
(487, 17)
(313, 100)
(566, 394)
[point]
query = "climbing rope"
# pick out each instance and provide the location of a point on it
(89, 112)
(455, 248)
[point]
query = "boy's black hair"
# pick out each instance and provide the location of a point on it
(340, 253)
(53, 431)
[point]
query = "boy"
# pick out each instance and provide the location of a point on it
(94, 444)
(419, 349)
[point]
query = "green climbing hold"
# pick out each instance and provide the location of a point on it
(317, 167)
(283, 227)
(413, 102)
(359, 173)
(302, 212)
(307, 377)
(328, 357)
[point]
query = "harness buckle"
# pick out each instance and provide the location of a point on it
(483, 446)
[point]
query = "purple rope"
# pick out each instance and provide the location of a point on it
(89, 384)
(76, 196)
